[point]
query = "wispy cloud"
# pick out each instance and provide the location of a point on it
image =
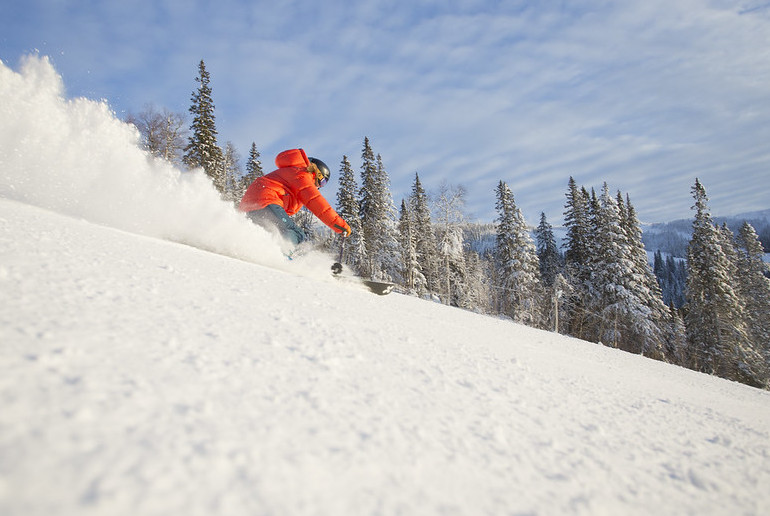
(643, 95)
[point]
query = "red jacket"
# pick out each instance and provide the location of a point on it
(291, 187)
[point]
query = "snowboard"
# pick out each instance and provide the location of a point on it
(380, 288)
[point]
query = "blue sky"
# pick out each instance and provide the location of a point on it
(645, 95)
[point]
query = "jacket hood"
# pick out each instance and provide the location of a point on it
(292, 158)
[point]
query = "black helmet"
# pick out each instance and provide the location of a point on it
(323, 171)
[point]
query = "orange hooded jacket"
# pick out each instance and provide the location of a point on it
(291, 187)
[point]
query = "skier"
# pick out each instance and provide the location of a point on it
(271, 199)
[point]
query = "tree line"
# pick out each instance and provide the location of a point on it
(598, 286)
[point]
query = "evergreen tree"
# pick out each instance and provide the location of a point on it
(577, 220)
(349, 209)
(547, 252)
(253, 171)
(254, 165)
(611, 304)
(519, 270)
(504, 244)
(550, 268)
(411, 273)
(754, 286)
(378, 219)
(718, 342)
(202, 149)
(644, 286)
(425, 238)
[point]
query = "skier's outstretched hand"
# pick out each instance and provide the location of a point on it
(346, 231)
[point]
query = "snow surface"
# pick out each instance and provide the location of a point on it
(143, 376)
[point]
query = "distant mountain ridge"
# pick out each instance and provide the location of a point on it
(667, 237)
(673, 237)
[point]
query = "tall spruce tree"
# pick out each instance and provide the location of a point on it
(413, 278)
(547, 252)
(202, 149)
(754, 286)
(550, 269)
(425, 236)
(504, 245)
(577, 220)
(718, 340)
(349, 209)
(619, 302)
(609, 302)
(378, 218)
(253, 164)
(253, 171)
(644, 285)
(518, 267)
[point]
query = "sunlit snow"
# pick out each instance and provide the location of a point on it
(158, 355)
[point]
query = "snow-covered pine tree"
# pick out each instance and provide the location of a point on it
(413, 277)
(547, 252)
(550, 267)
(718, 341)
(253, 170)
(202, 149)
(425, 237)
(349, 209)
(754, 286)
(643, 284)
(577, 220)
(611, 306)
(378, 219)
(518, 267)
(390, 255)
(504, 245)
(751, 353)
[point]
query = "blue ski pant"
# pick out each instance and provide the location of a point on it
(274, 216)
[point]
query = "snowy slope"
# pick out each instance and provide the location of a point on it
(145, 377)
(140, 376)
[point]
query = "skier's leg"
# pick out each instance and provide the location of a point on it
(277, 217)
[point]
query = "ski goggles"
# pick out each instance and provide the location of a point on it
(321, 180)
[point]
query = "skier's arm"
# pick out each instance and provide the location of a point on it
(320, 207)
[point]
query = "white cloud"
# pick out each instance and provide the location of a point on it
(644, 95)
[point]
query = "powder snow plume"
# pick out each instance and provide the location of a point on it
(73, 156)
